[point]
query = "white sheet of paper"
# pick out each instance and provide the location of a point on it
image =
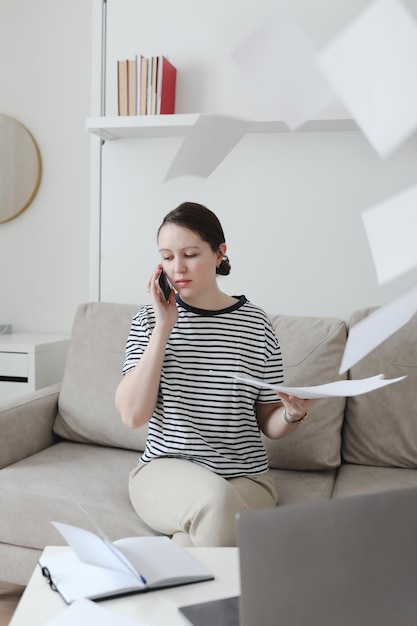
(391, 228)
(339, 388)
(378, 326)
(281, 61)
(372, 66)
(87, 613)
(209, 142)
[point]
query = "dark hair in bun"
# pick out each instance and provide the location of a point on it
(202, 221)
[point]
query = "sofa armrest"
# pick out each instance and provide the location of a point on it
(26, 424)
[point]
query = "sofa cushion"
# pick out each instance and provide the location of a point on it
(86, 411)
(312, 350)
(51, 484)
(354, 479)
(303, 486)
(381, 426)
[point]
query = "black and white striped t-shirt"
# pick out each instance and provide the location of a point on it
(202, 414)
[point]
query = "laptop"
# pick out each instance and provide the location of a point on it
(350, 561)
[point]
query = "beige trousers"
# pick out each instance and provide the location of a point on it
(192, 504)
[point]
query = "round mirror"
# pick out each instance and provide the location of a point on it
(20, 168)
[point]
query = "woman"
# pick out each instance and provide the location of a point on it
(204, 460)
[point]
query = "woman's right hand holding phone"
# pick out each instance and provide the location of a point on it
(166, 312)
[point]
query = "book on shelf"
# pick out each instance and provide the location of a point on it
(139, 70)
(153, 84)
(122, 87)
(96, 568)
(143, 85)
(131, 86)
(149, 88)
(146, 86)
(166, 87)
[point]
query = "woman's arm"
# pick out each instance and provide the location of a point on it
(271, 416)
(137, 393)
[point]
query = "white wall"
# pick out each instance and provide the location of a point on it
(290, 206)
(290, 203)
(322, 182)
(45, 78)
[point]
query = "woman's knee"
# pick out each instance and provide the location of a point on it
(214, 521)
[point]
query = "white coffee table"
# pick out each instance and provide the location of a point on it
(39, 604)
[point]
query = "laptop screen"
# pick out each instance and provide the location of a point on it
(350, 561)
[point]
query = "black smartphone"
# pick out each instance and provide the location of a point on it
(164, 285)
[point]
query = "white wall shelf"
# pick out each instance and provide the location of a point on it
(153, 126)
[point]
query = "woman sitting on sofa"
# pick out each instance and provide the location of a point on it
(204, 460)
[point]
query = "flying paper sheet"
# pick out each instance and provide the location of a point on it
(378, 326)
(210, 140)
(372, 66)
(281, 62)
(391, 228)
(339, 388)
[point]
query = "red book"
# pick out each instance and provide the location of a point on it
(167, 76)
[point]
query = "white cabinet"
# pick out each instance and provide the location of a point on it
(30, 361)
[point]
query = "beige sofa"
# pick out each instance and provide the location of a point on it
(63, 447)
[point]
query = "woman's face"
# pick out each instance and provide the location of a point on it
(189, 262)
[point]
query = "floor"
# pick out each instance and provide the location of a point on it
(9, 598)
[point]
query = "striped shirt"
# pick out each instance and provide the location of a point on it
(202, 413)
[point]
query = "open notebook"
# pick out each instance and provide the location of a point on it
(96, 568)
